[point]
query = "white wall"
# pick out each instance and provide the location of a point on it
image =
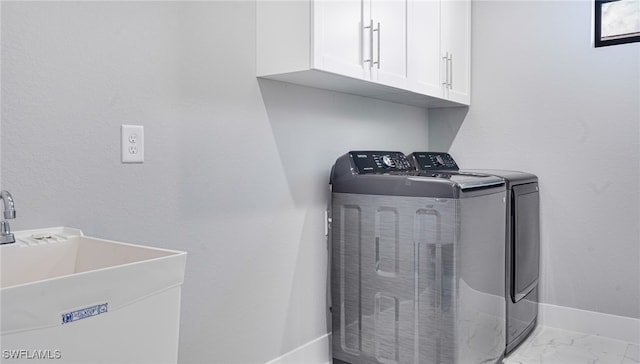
(1, 99)
(545, 101)
(236, 170)
(224, 178)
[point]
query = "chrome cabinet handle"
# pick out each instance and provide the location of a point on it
(370, 60)
(378, 30)
(450, 70)
(445, 58)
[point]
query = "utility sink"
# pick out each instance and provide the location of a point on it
(52, 253)
(82, 299)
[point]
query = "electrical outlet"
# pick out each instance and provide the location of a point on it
(132, 143)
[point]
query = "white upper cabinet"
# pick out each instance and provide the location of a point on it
(386, 49)
(338, 31)
(424, 60)
(439, 48)
(389, 40)
(362, 39)
(456, 44)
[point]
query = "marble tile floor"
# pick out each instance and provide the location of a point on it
(554, 346)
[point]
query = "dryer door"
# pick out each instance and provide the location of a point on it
(525, 217)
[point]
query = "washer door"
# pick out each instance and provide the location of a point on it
(525, 239)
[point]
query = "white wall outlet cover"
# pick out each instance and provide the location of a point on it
(132, 139)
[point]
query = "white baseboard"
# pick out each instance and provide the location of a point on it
(316, 351)
(590, 322)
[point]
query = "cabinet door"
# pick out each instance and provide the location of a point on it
(425, 65)
(456, 38)
(390, 42)
(338, 37)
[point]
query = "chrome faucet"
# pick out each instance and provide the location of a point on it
(9, 213)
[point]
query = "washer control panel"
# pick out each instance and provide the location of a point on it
(431, 161)
(367, 162)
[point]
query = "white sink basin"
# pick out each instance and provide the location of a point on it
(64, 252)
(88, 300)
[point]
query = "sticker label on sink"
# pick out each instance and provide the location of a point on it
(84, 313)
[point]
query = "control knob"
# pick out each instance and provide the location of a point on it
(388, 161)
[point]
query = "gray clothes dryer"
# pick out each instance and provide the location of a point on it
(523, 253)
(416, 263)
(522, 239)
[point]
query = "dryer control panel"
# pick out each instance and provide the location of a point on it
(434, 161)
(367, 162)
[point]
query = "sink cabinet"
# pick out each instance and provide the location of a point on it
(90, 299)
(414, 52)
